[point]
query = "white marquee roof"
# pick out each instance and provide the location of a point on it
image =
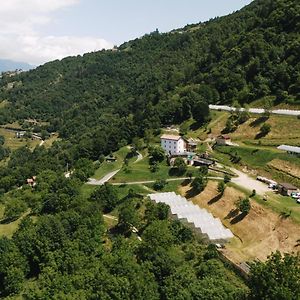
(289, 148)
(200, 217)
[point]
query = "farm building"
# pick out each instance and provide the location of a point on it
(223, 140)
(290, 149)
(20, 134)
(203, 162)
(205, 223)
(191, 144)
(287, 189)
(173, 144)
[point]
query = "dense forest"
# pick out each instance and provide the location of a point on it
(99, 102)
(161, 78)
(63, 249)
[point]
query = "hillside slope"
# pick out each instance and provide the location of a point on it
(160, 78)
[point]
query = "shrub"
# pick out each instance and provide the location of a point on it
(159, 184)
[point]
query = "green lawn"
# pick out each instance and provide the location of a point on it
(257, 157)
(171, 186)
(107, 167)
(141, 172)
(283, 204)
(86, 190)
(14, 143)
(8, 229)
(123, 190)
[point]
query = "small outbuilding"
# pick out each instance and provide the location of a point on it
(286, 189)
(191, 144)
(110, 158)
(223, 140)
(20, 134)
(203, 162)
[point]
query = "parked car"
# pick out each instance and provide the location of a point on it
(295, 195)
(272, 186)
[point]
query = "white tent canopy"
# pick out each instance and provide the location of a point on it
(200, 218)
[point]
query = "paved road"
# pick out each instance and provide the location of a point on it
(286, 112)
(104, 179)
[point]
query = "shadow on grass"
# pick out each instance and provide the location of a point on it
(130, 155)
(195, 126)
(186, 182)
(260, 135)
(238, 218)
(233, 213)
(191, 193)
(285, 214)
(258, 121)
(176, 172)
(215, 199)
(8, 220)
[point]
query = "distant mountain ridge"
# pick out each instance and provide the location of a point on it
(10, 65)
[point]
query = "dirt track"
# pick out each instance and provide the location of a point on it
(258, 234)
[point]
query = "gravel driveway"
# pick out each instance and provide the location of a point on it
(249, 183)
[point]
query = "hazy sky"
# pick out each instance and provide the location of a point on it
(37, 31)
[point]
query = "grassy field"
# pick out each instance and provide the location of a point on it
(270, 162)
(276, 202)
(122, 190)
(216, 125)
(8, 229)
(258, 157)
(171, 186)
(53, 138)
(284, 129)
(107, 167)
(14, 143)
(140, 172)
